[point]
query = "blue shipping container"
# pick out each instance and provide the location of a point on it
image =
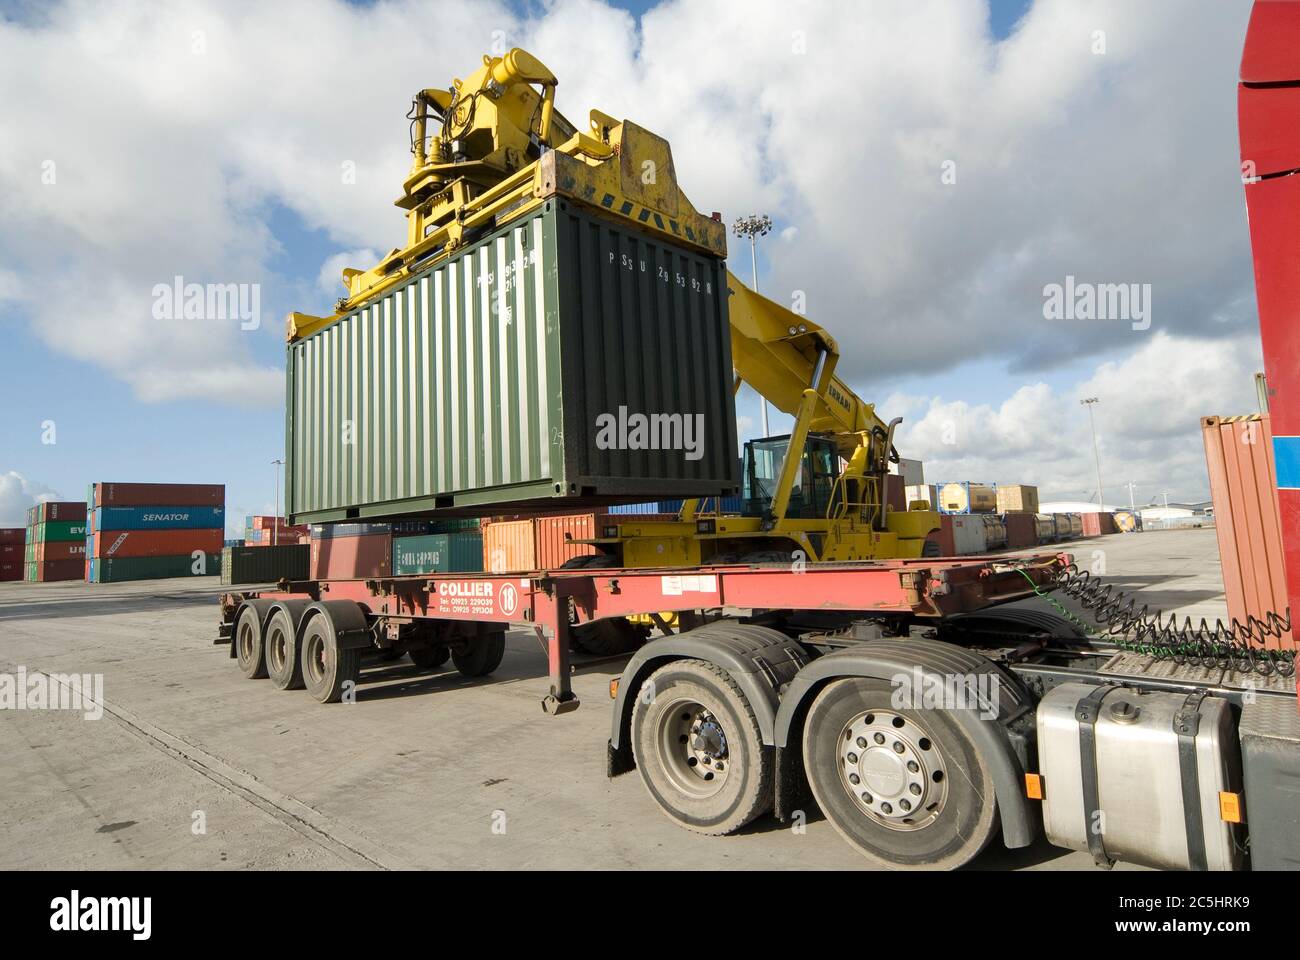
(708, 505)
(159, 518)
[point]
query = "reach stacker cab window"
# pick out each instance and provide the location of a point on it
(813, 481)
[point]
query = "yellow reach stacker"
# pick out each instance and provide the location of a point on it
(501, 149)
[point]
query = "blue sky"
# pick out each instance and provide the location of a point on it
(106, 433)
(103, 433)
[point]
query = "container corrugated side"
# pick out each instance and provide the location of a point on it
(120, 569)
(509, 546)
(158, 494)
(438, 553)
(60, 510)
(59, 530)
(1247, 519)
(158, 518)
(479, 382)
(50, 570)
(156, 543)
(265, 564)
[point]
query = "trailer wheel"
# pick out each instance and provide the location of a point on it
(282, 663)
(249, 648)
(327, 669)
(698, 747)
(608, 637)
(427, 658)
(483, 656)
(906, 788)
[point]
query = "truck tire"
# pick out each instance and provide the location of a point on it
(906, 788)
(428, 658)
(327, 671)
(483, 656)
(605, 638)
(699, 749)
(249, 648)
(283, 665)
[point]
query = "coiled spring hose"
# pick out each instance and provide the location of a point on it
(1139, 629)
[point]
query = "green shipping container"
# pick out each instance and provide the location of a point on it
(438, 553)
(561, 361)
(58, 531)
(265, 564)
(118, 569)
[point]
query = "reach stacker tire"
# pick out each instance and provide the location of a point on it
(906, 788)
(699, 749)
(327, 670)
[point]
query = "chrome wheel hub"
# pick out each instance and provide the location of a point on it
(693, 748)
(892, 770)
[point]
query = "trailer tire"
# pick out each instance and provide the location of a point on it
(249, 648)
(327, 670)
(698, 713)
(483, 656)
(429, 658)
(937, 816)
(605, 638)
(283, 665)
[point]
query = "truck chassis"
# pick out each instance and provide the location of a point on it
(778, 682)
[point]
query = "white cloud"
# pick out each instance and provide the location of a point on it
(835, 118)
(1148, 424)
(330, 279)
(17, 494)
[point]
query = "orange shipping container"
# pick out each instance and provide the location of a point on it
(1243, 485)
(1098, 524)
(156, 543)
(547, 543)
(509, 546)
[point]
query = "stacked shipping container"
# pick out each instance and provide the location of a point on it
(547, 542)
(13, 543)
(154, 531)
(56, 542)
(268, 531)
(264, 564)
(357, 551)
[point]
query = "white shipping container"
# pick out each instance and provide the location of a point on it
(969, 534)
(912, 471)
(922, 491)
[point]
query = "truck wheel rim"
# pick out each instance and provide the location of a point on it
(693, 748)
(245, 642)
(893, 770)
(275, 650)
(313, 657)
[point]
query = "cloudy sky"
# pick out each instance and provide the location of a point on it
(932, 167)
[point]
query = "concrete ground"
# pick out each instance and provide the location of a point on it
(192, 766)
